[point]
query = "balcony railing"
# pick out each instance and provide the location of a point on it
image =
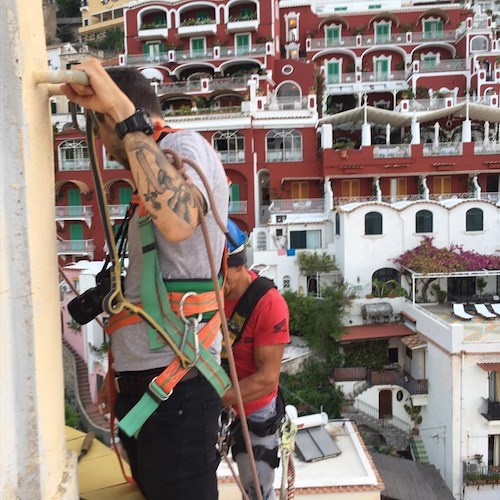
(444, 66)
(117, 211)
(445, 149)
(272, 156)
(392, 151)
(489, 409)
(235, 83)
(254, 50)
(238, 207)
(75, 246)
(74, 212)
(303, 205)
(371, 40)
(286, 103)
(350, 374)
(79, 164)
(370, 76)
(112, 165)
(232, 156)
(479, 473)
(193, 55)
(486, 148)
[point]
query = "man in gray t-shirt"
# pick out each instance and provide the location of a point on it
(174, 454)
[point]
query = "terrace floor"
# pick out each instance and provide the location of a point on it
(445, 312)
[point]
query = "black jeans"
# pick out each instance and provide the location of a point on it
(174, 456)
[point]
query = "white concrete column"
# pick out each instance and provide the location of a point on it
(326, 136)
(34, 461)
(366, 134)
(466, 131)
(415, 132)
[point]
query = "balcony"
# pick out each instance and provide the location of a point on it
(489, 409)
(286, 103)
(238, 207)
(382, 377)
(243, 23)
(153, 31)
(74, 164)
(232, 156)
(443, 66)
(76, 247)
(368, 76)
(321, 43)
(303, 205)
(81, 213)
(117, 211)
(479, 473)
(392, 151)
(255, 50)
(194, 27)
(486, 148)
(182, 56)
(279, 156)
(444, 149)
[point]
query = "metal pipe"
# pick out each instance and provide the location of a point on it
(66, 76)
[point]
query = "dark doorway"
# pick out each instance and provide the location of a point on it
(461, 288)
(385, 404)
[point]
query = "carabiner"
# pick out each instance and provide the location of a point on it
(191, 325)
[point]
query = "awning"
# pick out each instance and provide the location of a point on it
(108, 184)
(375, 332)
(384, 16)
(478, 112)
(82, 186)
(152, 73)
(334, 20)
(490, 367)
(435, 12)
(414, 342)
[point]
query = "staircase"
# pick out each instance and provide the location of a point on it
(359, 387)
(418, 450)
(89, 412)
(396, 432)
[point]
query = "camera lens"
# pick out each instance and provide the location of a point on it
(87, 306)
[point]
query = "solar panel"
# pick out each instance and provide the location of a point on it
(315, 443)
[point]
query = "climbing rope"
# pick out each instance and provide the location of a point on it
(288, 432)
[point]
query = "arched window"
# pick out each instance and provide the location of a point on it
(230, 145)
(283, 145)
(288, 95)
(373, 223)
(73, 155)
(384, 280)
(479, 43)
(423, 221)
(474, 220)
(261, 241)
(286, 282)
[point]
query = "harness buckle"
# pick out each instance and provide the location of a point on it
(191, 327)
(157, 393)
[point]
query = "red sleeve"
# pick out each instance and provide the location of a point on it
(270, 323)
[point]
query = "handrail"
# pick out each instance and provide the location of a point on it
(373, 412)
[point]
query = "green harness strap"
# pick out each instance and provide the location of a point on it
(155, 302)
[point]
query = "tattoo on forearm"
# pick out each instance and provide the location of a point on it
(160, 182)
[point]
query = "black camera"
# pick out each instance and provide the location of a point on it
(88, 305)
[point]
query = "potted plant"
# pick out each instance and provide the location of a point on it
(481, 285)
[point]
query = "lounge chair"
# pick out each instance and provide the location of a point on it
(459, 311)
(496, 308)
(482, 310)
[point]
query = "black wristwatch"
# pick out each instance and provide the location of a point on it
(138, 122)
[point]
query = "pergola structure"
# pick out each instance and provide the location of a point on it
(457, 274)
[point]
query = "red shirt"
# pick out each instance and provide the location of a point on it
(268, 325)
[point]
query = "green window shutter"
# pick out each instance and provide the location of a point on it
(382, 32)
(201, 16)
(333, 73)
(197, 46)
(76, 236)
(235, 192)
(124, 195)
(74, 202)
(242, 44)
(332, 37)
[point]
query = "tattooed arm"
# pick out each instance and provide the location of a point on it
(173, 202)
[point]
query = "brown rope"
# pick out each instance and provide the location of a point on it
(179, 163)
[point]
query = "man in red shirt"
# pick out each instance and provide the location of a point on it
(257, 354)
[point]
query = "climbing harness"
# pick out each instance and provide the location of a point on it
(167, 326)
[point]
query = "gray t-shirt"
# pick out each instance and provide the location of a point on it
(183, 260)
